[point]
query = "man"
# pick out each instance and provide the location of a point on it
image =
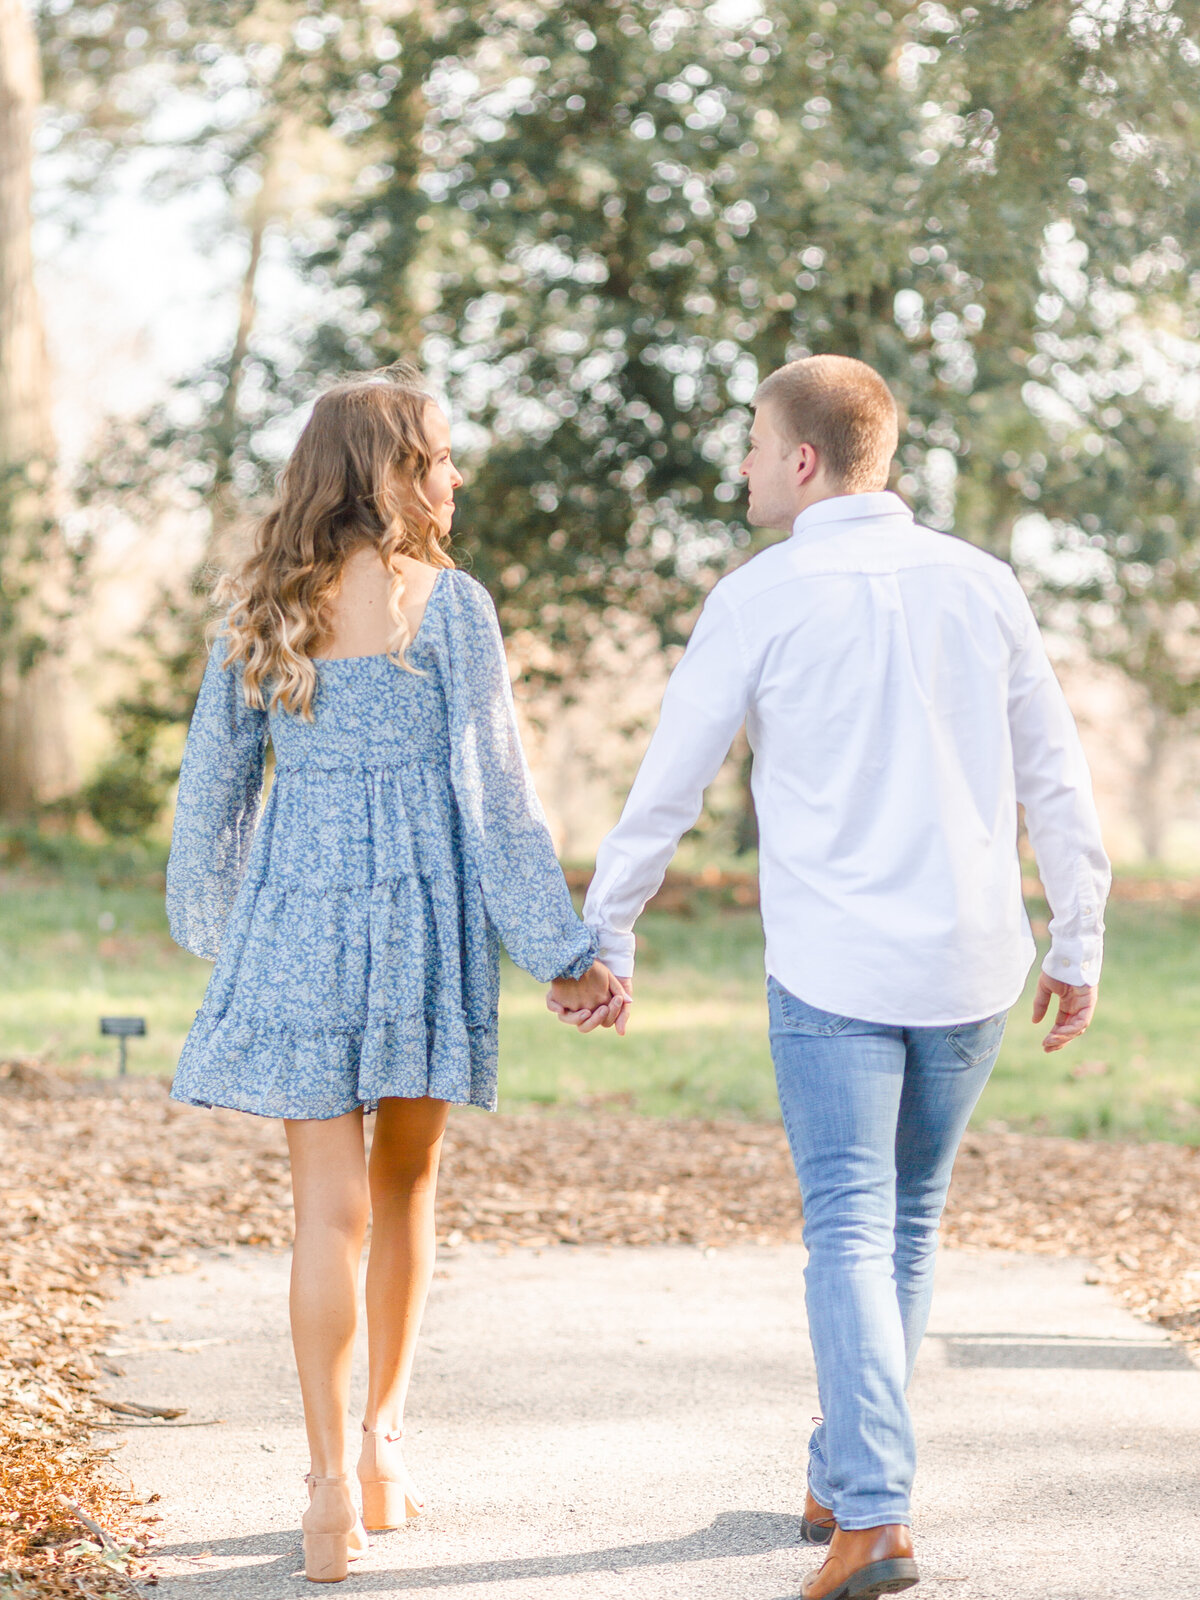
(899, 705)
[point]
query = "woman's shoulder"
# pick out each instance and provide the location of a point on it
(218, 648)
(469, 599)
(218, 636)
(466, 587)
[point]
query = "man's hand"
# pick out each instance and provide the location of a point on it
(597, 1000)
(1076, 1007)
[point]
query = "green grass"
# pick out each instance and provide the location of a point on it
(698, 1043)
(63, 965)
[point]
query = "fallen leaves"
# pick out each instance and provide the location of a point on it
(534, 1178)
(96, 1177)
(1134, 1209)
(102, 1177)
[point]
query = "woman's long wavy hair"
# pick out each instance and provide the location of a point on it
(354, 480)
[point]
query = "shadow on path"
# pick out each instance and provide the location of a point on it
(732, 1534)
(1063, 1350)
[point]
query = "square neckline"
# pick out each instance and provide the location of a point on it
(385, 655)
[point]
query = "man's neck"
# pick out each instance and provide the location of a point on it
(814, 494)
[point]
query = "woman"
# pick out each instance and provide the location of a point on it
(354, 923)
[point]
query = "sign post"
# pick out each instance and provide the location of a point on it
(123, 1028)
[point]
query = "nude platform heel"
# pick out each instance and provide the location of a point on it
(389, 1495)
(330, 1526)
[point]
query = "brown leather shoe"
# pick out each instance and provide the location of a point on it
(817, 1523)
(863, 1563)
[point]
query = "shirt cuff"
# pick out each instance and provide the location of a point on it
(616, 950)
(1074, 961)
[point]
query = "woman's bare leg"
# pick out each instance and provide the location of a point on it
(329, 1188)
(403, 1174)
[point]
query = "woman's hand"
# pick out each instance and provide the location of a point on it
(597, 1000)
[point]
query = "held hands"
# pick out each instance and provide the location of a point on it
(1076, 1007)
(597, 1000)
(601, 1000)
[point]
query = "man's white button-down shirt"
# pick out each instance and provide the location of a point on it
(899, 704)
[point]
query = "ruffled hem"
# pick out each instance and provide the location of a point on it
(274, 1070)
(367, 1107)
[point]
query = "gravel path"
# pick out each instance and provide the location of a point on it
(627, 1425)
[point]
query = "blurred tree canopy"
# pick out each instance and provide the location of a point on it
(618, 215)
(232, 96)
(599, 221)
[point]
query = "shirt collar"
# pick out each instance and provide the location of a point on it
(850, 508)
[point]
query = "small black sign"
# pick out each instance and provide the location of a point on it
(123, 1027)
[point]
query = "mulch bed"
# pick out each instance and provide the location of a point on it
(685, 893)
(101, 1177)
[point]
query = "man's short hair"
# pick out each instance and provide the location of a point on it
(841, 407)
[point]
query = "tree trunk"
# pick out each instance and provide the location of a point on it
(223, 506)
(35, 569)
(1151, 784)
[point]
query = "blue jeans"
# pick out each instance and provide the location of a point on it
(874, 1115)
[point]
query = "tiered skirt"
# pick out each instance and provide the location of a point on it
(358, 962)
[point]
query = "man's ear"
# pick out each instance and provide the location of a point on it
(807, 464)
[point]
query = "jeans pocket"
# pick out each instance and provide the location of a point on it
(975, 1041)
(794, 1015)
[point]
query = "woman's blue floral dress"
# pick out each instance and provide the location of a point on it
(354, 923)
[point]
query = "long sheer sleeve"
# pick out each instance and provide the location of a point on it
(507, 843)
(220, 784)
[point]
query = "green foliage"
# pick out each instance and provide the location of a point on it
(127, 795)
(251, 79)
(124, 798)
(602, 220)
(43, 854)
(1117, 308)
(632, 210)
